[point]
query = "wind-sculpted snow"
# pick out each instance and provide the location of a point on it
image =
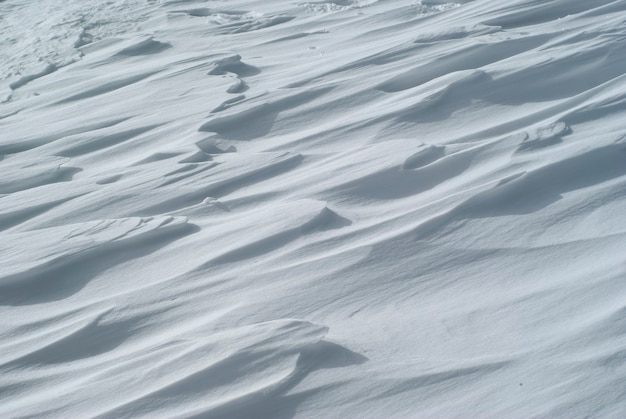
(348, 208)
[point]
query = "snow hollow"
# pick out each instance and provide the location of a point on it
(313, 208)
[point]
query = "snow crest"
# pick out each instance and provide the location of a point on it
(345, 208)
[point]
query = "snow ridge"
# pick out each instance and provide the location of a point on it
(312, 209)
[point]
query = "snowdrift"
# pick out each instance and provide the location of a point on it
(313, 208)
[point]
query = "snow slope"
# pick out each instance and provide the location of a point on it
(372, 208)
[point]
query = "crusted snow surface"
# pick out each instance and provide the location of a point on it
(346, 208)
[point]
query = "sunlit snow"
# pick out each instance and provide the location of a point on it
(313, 209)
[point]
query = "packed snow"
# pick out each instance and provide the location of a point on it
(313, 209)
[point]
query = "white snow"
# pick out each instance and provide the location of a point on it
(339, 209)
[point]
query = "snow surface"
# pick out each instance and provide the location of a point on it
(372, 208)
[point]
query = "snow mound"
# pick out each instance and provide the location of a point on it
(346, 208)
